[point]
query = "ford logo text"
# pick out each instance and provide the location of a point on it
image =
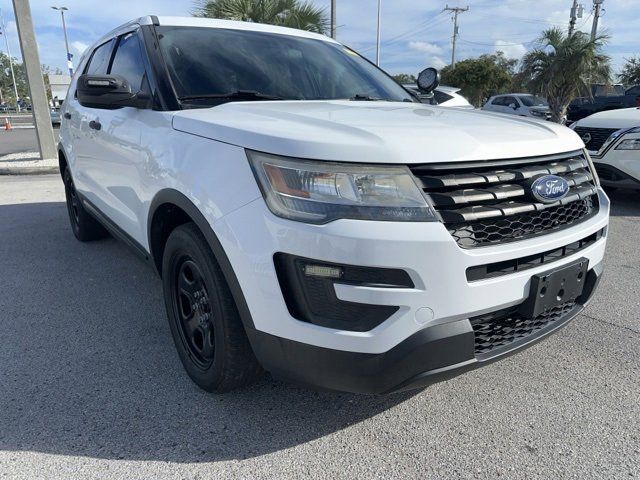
(549, 188)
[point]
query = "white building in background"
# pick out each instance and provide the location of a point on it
(59, 85)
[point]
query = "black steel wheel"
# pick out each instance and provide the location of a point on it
(84, 226)
(204, 321)
(193, 309)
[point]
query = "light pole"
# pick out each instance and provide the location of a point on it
(333, 19)
(66, 40)
(3, 29)
(378, 35)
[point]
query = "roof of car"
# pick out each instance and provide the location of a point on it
(217, 23)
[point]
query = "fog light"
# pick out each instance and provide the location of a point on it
(323, 271)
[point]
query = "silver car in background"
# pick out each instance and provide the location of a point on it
(522, 104)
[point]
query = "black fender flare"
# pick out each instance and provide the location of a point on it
(174, 197)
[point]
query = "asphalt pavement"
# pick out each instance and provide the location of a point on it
(91, 385)
(19, 140)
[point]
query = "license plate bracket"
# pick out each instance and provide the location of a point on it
(555, 287)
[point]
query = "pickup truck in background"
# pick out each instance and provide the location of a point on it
(601, 101)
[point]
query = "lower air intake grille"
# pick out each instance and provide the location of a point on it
(506, 326)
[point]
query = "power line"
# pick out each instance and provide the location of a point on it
(419, 28)
(520, 19)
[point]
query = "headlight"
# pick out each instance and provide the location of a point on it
(630, 144)
(615, 135)
(319, 192)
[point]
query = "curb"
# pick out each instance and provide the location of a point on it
(29, 170)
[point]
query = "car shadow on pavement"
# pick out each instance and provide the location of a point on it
(88, 367)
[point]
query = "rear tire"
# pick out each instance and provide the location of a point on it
(84, 226)
(204, 320)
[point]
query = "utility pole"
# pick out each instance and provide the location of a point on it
(378, 35)
(66, 40)
(333, 19)
(456, 11)
(597, 4)
(3, 29)
(572, 20)
(31, 61)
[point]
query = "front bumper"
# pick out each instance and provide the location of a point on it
(430, 355)
(429, 337)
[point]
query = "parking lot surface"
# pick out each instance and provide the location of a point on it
(19, 140)
(91, 385)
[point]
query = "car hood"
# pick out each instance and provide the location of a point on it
(621, 118)
(375, 132)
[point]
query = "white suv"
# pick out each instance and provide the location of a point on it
(308, 217)
(613, 140)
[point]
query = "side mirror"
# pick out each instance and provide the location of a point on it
(428, 80)
(108, 91)
(513, 105)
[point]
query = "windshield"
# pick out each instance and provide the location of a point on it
(533, 101)
(206, 62)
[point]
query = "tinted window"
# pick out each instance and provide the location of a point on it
(100, 59)
(498, 101)
(127, 61)
(533, 101)
(441, 97)
(216, 61)
(510, 100)
(633, 91)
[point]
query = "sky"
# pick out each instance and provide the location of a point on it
(415, 34)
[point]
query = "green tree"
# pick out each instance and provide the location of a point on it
(403, 78)
(6, 82)
(562, 67)
(631, 71)
(480, 77)
(287, 13)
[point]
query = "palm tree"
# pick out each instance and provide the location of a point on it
(287, 13)
(562, 67)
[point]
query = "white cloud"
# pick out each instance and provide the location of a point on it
(428, 48)
(80, 46)
(432, 53)
(436, 62)
(510, 50)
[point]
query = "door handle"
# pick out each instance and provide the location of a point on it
(67, 115)
(95, 125)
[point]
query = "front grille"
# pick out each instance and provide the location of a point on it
(484, 203)
(501, 328)
(596, 136)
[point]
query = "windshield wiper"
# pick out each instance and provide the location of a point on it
(358, 97)
(237, 95)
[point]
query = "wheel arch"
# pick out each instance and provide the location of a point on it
(176, 203)
(63, 164)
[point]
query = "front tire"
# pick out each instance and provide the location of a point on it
(204, 320)
(84, 226)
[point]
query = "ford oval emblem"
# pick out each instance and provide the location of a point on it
(549, 188)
